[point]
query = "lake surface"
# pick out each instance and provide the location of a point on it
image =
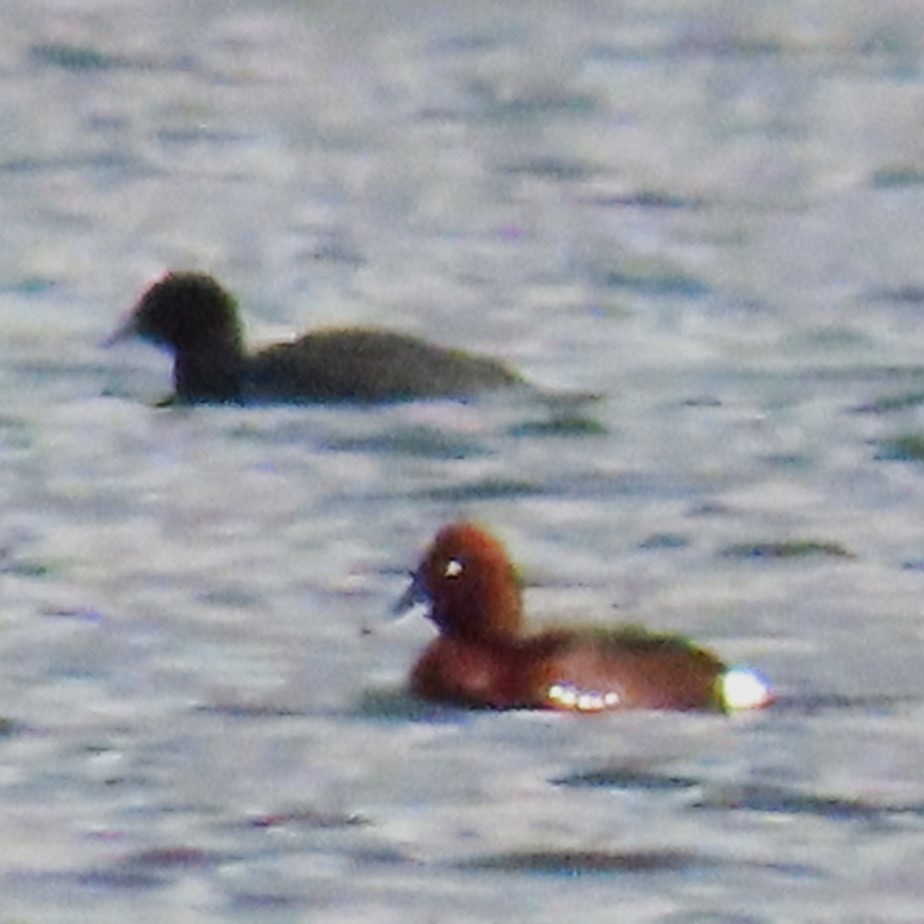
(710, 214)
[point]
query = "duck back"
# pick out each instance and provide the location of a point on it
(369, 366)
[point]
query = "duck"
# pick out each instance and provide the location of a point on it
(483, 657)
(194, 317)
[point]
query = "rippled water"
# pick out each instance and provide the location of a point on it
(710, 214)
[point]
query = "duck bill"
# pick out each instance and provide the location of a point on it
(413, 596)
(125, 331)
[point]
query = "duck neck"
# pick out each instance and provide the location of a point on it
(210, 372)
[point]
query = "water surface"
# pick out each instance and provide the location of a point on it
(709, 215)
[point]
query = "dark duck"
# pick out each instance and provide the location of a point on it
(196, 319)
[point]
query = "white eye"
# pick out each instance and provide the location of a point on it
(453, 568)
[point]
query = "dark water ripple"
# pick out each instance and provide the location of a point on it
(590, 862)
(627, 778)
(572, 863)
(76, 57)
(778, 800)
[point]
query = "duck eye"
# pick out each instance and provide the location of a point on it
(453, 568)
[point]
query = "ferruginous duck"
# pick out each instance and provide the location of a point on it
(485, 658)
